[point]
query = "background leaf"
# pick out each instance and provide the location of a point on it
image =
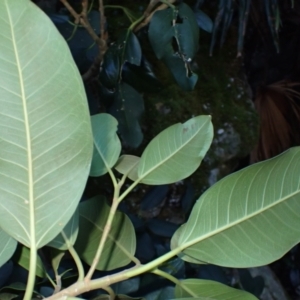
(247, 219)
(160, 31)
(126, 49)
(71, 232)
(107, 146)
(45, 132)
(211, 290)
(204, 21)
(165, 158)
(121, 242)
(127, 109)
(8, 246)
(128, 164)
(22, 257)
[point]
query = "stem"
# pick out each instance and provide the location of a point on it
(138, 21)
(103, 238)
(102, 19)
(110, 291)
(129, 189)
(174, 280)
(32, 271)
(85, 286)
(75, 256)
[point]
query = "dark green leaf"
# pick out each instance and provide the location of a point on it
(133, 52)
(127, 109)
(161, 31)
(162, 294)
(107, 146)
(7, 296)
(181, 71)
(141, 77)
(186, 32)
(253, 285)
(111, 67)
(162, 228)
(70, 231)
(22, 257)
(204, 21)
(126, 49)
(210, 290)
(154, 197)
(120, 244)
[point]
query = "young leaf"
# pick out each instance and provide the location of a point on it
(107, 146)
(45, 132)
(71, 232)
(121, 242)
(210, 290)
(57, 256)
(127, 164)
(176, 152)
(8, 246)
(247, 219)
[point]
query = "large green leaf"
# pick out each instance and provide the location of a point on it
(107, 146)
(45, 132)
(247, 219)
(176, 152)
(70, 232)
(210, 290)
(7, 245)
(120, 244)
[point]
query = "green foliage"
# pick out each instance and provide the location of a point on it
(247, 219)
(175, 23)
(45, 151)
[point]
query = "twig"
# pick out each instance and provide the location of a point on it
(148, 14)
(72, 11)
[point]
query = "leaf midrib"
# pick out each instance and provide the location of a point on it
(236, 222)
(28, 135)
(143, 176)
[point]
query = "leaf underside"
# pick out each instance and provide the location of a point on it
(247, 219)
(45, 133)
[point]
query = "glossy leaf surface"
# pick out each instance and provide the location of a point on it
(176, 152)
(107, 146)
(121, 242)
(247, 219)
(45, 132)
(208, 289)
